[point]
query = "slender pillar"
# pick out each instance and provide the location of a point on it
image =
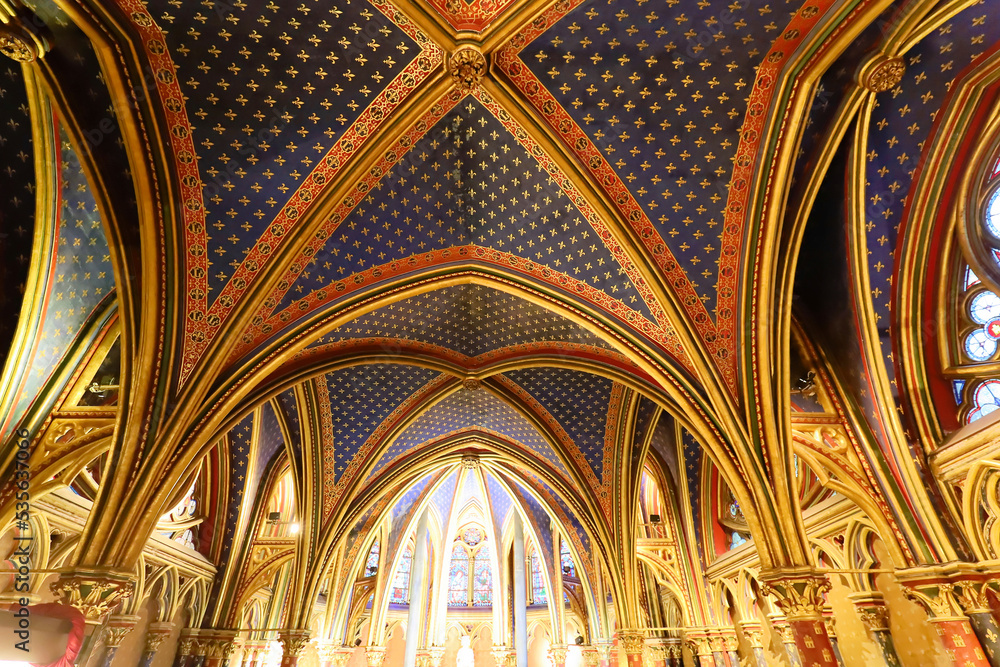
(118, 626)
(754, 636)
(784, 630)
(799, 593)
(219, 646)
(875, 617)
(633, 642)
(293, 642)
(418, 587)
(701, 649)
(973, 597)
(156, 634)
(718, 650)
(731, 644)
(952, 624)
(185, 648)
(253, 653)
(831, 630)
(520, 596)
(499, 652)
(375, 655)
(604, 647)
(557, 653)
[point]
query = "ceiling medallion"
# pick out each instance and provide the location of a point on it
(883, 72)
(467, 66)
(17, 48)
(471, 384)
(470, 461)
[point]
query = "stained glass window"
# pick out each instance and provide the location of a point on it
(371, 565)
(538, 592)
(458, 577)
(472, 536)
(566, 560)
(482, 581)
(401, 580)
(979, 329)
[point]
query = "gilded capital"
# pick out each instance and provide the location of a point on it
(293, 642)
(799, 596)
(374, 655)
(632, 641)
(94, 593)
(118, 626)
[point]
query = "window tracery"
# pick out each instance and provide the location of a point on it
(401, 579)
(977, 330)
(470, 572)
(539, 595)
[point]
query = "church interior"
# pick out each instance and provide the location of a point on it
(500, 333)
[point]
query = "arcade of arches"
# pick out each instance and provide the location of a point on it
(506, 333)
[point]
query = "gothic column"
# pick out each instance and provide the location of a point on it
(831, 631)
(219, 646)
(253, 653)
(499, 652)
(718, 650)
(94, 594)
(185, 648)
(436, 655)
(605, 647)
(156, 634)
(375, 655)
(675, 653)
(731, 645)
(293, 642)
(118, 626)
(633, 642)
(701, 649)
(754, 635)
(973, 597)
(520, 596)
(557, 653)
(800, 595)
(784, 630)
(658, 652)
(418, 587)
(875, 617)
(954, 627)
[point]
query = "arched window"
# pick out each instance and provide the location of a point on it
(458, 576)
(470, 572)
(977, 332)
(181, 523)
(538, 593)
(401, 580)
(566, 560)
(371, 565)
(482, 584)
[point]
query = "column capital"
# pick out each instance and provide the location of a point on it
(374, 655)
(342, 655)
(632, 641)
(118, 626)
(558, 653)
(436, 654)
(94, 592)
(326, 649)
(499, 652)
(754, 633)
(218, 643)
(156, 634)
(591, 656)
(698, 643)
(604, 647)
(798, 592)
(938, 598)
(293, 641)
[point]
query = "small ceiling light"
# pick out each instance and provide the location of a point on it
(294, 528)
